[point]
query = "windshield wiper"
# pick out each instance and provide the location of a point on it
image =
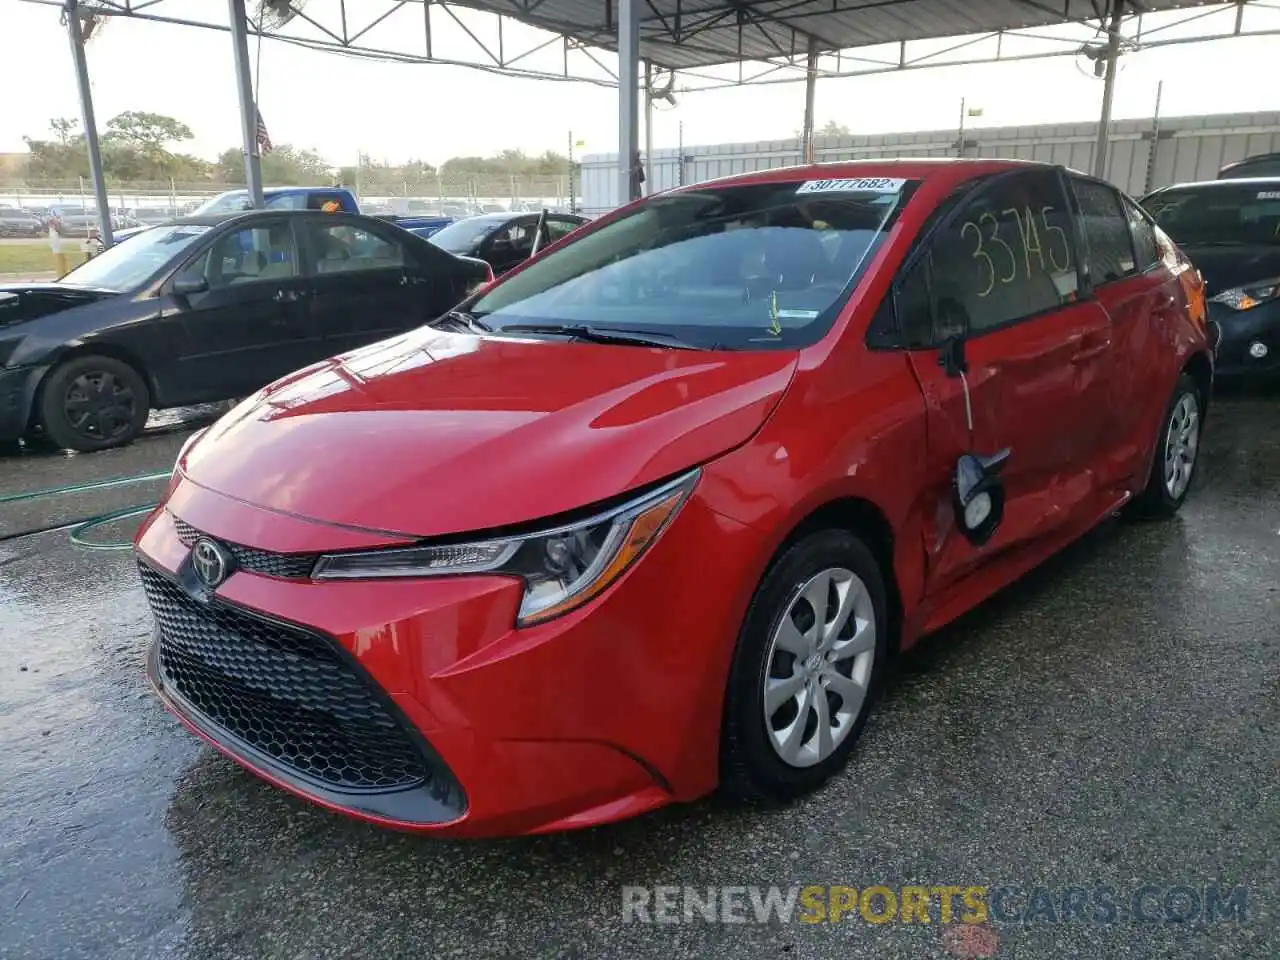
(468, 321)
(582, 331)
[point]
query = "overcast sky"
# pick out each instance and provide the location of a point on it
(338, 105)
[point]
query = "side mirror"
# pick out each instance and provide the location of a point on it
(952, 358)
(186, 286)
(977, 495)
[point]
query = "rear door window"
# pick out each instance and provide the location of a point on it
(329, 202)
(344, 248)
(1110, 254)
(1144, 236)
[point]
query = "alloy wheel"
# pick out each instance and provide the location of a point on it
(1182, 442)
(818, 667)
(99, 405)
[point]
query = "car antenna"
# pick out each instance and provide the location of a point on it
(537, 236)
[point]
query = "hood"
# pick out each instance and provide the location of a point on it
(126, 233)
(436, 433)
(41, 299)
(1224, 267)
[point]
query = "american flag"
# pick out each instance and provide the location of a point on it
(260, 133)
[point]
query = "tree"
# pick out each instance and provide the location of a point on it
(828, 129)
(51, 160)
(66, 129)
(149, 132)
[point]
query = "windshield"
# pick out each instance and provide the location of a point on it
(126, 265)
(1218, 214)
(465, 235)
(757, 266)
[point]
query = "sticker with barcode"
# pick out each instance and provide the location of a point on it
(854, 185)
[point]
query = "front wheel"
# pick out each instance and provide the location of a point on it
(92, 403)
(1176, 455)
(807, 669)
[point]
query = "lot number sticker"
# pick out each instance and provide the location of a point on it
(855, 185)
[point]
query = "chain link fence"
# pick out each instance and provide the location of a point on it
(445, 195)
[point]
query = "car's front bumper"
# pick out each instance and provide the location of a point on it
(604, 713)
(1241, 335)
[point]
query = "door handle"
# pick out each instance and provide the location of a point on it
(1091, 348)
(285, 296)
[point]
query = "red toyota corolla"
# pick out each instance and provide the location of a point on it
(654, 513)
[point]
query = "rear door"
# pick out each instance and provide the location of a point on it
(369, 283)
(252, 323)
(1129, 281)
(1002, 272)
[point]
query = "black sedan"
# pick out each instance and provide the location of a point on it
(1231, 231)
(16, 222)
(503, 240)
(207, 309)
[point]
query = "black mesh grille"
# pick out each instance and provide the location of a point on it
(287, 566)
(284, 691)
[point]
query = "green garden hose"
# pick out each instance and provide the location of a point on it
(78, 528)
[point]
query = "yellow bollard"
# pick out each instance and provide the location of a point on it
(60, 267)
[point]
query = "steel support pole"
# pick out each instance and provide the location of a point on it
(1108, 91)
(810, 91)
(648, 128)
(248, 109)
(628, 99)
(72, 12)
(1152, 154)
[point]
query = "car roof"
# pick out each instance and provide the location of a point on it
(1225, 183)
(214, 219)
(950, 169)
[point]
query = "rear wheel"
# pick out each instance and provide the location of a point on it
(92, 403)
(807, 669)
(1177, 453)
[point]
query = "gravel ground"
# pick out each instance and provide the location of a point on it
(1112, 720)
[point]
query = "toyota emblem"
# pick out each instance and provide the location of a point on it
(211, 562)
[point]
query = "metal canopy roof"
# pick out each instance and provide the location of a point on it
(682, 34)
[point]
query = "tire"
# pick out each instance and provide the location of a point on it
(91, 403)
(1168, 486)
(752, 763)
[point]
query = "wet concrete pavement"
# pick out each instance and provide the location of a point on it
(1113, 719)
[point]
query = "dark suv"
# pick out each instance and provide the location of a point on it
(1262, 165)
(1230, 229)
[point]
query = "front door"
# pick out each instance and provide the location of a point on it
(251, 324)
(509, 246)
(1002, 274)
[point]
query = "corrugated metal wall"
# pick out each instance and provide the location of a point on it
(1190, 148)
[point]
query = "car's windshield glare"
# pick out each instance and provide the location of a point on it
(126, 265)
(756, 266)
(232, 202)
(1217, 214)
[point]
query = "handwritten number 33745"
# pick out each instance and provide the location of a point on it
(987, 241)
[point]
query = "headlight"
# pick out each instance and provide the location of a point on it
(561, 568)
(1246, 298)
